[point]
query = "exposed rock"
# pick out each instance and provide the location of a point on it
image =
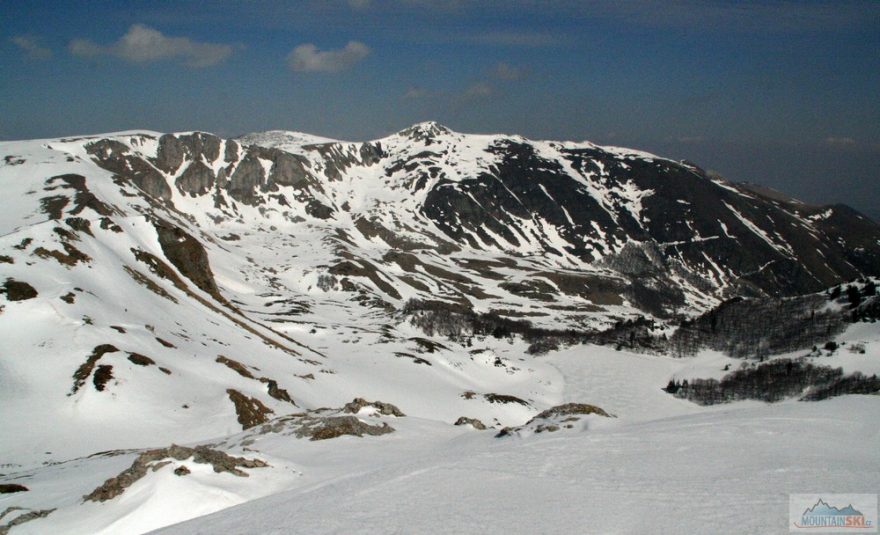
(170, 153)
(567, 409)
(22, 518)
(287, 169)
(555, 419)
(381, 407)
(18, 290)
(248, 177)
(200, 144)
(182, 470)
(473, 422)
(323, 428)
(231, 153)
(9, 488)
(220, 461)
(116, 158)
(197, 179)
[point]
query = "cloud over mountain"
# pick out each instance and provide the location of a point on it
(142, 44)
(309, 58)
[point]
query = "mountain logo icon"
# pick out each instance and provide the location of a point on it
(823, 515)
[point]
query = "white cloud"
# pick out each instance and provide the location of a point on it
(143, 44)
(31, 46)
(505, 71)
(307, 57)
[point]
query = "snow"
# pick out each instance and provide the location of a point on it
(726, 471)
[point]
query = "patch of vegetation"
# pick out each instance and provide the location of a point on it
(18, 290)
(148, 283)
(250, 411)
(80, 224)
(235, 366)
(504, 399)
(774, 381)
(102, 376)
(109, 224)
(276, 391)
(166, 343)
(53, 206)
(71, 257)
(85, 370)
(141, 360)
(415, 359)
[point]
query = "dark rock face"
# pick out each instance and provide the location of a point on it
(230, 155)
(170, 154)
(196, 180)
(188, 256)
(246, 180)
(116, 158)
(762, 245)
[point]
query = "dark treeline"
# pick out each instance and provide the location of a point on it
(774, 381)
(741, 328)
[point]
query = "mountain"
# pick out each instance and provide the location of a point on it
(428, 213)
(167, 289)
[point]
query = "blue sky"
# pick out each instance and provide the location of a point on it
(780, 93)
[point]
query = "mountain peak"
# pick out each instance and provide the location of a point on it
(424, 130)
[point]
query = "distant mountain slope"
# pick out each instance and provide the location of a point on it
(660, 235)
